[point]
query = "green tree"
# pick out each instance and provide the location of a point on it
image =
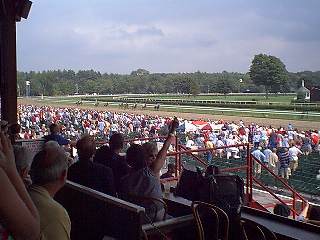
(224, 86)
(268, 71)
(194, 87)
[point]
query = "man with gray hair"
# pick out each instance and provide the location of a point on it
(48, 174)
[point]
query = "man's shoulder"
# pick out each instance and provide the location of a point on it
(45, 204)
(101, 168)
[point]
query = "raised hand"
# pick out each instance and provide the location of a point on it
(174, 125)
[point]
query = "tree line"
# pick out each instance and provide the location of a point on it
(267, 74)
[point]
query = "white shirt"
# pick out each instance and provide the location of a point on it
(189, 143)
(294, 152)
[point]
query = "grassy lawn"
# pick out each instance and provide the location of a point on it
(212, 111)
(259, 98)
(229, 98)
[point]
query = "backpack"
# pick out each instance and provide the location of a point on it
(224, 191)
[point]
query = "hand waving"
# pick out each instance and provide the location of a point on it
(174, 125)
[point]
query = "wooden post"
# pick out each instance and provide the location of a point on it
(8, 63)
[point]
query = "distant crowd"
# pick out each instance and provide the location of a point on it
(278, 148)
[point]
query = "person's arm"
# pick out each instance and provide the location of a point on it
(17, 210)
(304, 213)
(161, 157)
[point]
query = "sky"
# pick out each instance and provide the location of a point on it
(119, 36)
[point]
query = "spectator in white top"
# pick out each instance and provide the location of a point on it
(267, 153)
(256, 139)
(189, 143)
(220, 144)
(294, 153)
(274, 162)
(259, 156)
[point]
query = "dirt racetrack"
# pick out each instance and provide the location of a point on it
(301, 125)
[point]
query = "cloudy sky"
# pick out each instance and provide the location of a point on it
(119, 36)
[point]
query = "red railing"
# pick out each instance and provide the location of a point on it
(248, 167)
(295, 194)
(183, 150)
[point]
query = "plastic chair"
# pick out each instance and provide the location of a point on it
(212, 222)
(255, 231)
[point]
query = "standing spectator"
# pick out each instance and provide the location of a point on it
(208, 154)
(259, 156)
(220, 144)
(49, 173)
(267, 153)
(306, 145)
(273, 140)
(256, 139)
(294, 153)
(284, 160)
(274, 161)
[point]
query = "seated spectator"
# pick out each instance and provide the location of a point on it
(281, 210)
(49, 173)
(170, 172)
(55, 135)
(14, 132)
(4, 126)
(19, 216)
(144, 180)
(88, 173)
(54, 144)
(135, 157)
(113, 160)
(23, 162)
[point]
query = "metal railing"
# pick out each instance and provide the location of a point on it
(247, 167)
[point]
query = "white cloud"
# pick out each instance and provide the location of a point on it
(199, 35)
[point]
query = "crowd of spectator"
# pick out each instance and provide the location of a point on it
(278, 148)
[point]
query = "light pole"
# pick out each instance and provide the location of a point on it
(240, 81)
(77, 89)
(27, 89)
(18, 90)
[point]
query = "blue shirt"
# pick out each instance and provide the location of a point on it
(259, 155)
(56, 137)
